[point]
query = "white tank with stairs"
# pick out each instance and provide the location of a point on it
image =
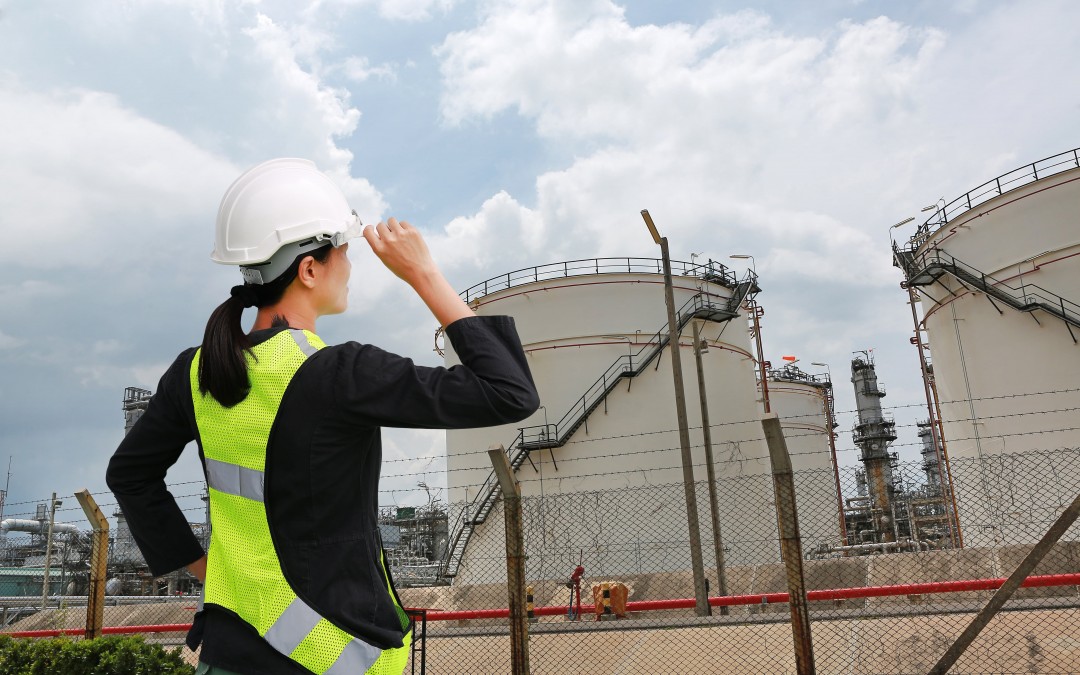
(997, 271)
(592, 332)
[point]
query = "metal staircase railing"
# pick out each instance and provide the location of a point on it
(926, 268)
(699, 306)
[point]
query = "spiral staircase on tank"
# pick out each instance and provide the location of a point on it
(545, 436)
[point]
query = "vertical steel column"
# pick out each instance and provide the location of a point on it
(99, 558)
(714, 508)
(515, 560)
(784, 486)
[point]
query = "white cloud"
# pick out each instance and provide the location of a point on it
(80, 170)
(394, 10)
(502, 225)
(706, 124)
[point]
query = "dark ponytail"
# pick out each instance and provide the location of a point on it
(222, 364)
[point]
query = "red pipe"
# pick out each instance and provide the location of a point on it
(966, 585)
(773, 598)
(108, 630)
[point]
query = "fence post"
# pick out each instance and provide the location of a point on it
(515, 560)
(1025, 568)
(99, 559)
(784, 486)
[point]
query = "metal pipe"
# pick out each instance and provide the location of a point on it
(824, 595)
(35, 527)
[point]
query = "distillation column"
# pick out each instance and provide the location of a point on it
(872, 434)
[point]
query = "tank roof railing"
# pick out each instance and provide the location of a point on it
(1006, 182)
(708, 271)
(792, 373)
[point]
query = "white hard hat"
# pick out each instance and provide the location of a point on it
(274, 212)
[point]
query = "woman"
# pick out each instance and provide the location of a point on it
(295, 579)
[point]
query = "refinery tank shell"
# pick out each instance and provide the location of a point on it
(998, 271)
(583, 323)
(803, 403)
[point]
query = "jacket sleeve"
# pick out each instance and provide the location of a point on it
(491, 386)
(136, 473)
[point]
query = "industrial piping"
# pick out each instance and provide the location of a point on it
(35, 527)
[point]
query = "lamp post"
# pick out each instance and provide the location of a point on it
(701, 597)
(831, 424)
(755, 315)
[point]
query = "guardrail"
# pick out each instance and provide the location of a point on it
(1006, 182)
(710, 270)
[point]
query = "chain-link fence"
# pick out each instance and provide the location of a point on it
(611, 582)
(890, 589)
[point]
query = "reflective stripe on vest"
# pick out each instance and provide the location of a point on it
(243, 571)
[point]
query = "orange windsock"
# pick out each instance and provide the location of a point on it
(789, 358)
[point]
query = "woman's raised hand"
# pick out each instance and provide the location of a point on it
(402, 249)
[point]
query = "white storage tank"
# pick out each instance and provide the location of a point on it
(802, 402)
(998, 275)
(583, 324)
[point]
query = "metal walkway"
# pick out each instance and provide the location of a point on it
(699, 306)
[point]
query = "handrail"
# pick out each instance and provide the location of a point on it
(709, 271)
(1025, 297)
(995, 187)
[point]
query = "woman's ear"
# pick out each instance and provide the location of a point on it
(306, 273)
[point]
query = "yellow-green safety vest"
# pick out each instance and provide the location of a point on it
(243, 573)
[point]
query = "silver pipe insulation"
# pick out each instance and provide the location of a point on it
(35, 527)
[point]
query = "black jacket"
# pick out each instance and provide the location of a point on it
(322, 473)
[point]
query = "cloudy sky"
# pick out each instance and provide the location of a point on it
(514, 133)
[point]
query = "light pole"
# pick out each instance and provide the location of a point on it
(706, 433)
(53, 503)
(831, 424)
(701, 596)
(755, 315)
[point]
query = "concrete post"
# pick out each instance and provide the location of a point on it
(99, 560)
(784, 486)
(701, 594)
(515, 560)
(710, 468)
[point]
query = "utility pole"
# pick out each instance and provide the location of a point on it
(48, 553)
(714, 508)
(701, 595)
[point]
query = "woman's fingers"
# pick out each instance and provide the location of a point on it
(400, 247)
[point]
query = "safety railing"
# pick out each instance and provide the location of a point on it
(924, 268)
(710, 270)
(1029, 173)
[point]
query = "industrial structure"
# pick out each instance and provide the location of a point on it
(594, 331)
(996, 272)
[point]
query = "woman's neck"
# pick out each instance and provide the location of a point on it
(295, 317)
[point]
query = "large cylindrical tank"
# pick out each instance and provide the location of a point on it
(577, 322)
(801, 402)
(998, 271)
